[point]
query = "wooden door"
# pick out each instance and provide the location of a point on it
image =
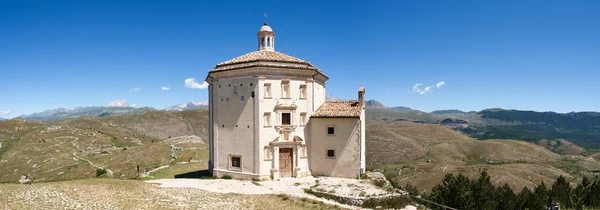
(285, 162)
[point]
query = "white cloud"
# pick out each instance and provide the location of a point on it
(417, 89)
(165, 88)
(135, 90)
(440, 84)
(429, 89)
(192, 83)
(5, 112)
(133, 105)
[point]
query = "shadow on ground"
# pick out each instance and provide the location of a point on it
(194, 174)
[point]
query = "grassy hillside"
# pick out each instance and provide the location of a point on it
(581, 128)
(75, 148)
(420, 154)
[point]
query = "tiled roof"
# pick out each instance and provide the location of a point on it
(273, 58)
(338, 109)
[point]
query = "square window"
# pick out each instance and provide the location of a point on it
(330, 153)
(236, 162)
(286, 118)
(330, 130)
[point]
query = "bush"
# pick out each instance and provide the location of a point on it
(386, 203)
(124, 148)
(100, 172)
(379, 183)
(226, 177)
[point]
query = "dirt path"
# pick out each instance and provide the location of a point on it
(108, 171)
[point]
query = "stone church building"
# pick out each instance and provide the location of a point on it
(268, 118)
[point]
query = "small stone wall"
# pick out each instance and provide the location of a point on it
(354, 201)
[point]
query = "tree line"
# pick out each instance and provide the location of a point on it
(458, 191)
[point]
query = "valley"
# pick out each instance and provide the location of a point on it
(167, 143)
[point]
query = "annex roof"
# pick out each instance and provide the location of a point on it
(338, 109)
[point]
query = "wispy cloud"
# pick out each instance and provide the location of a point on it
(440, 84)
(192, 83)
(165, 88)
(5, 112)
(133, 105)
(429, 89)
(135, 90)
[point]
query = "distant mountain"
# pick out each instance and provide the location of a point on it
(331, 98)
(373, 104)
(448, 111)
(88, 111)
(401, 108)
(188, 106)
(2, 119)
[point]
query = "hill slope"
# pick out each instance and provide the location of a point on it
(90, 111)
(74, 148)
(420, 154)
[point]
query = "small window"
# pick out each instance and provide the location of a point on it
(330, 153)
(242, 98)
(267, 119)
(330, 130)
(303, 118)
(236, 162)
(286, 118)
(302, 91)
(235, 89)
(267, 90)
(252, 94)
(285, 89)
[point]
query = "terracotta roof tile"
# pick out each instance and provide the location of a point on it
(258, 58)
(338, 109)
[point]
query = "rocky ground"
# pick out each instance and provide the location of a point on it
(289, 186)
(132, 194)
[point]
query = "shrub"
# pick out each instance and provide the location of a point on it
(386, 203)
(256, 183)
(226, 177)
(379, 183)
(284, 197)
(124, 148)
(100, 172)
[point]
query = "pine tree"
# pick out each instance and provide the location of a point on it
(524, 198)
(507, 199)
(541, 197)
(561, 191)
(484, 192)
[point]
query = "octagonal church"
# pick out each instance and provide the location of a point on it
(268, 118)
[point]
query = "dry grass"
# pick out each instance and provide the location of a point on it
(427, 152)
(131, 194)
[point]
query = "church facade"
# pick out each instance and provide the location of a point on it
(268, 118)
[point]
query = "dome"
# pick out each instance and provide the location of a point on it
(266, 27)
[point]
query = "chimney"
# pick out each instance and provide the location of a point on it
(361, 97)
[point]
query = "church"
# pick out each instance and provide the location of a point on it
(268, 119)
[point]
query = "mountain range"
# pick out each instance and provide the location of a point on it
(581, 128)
(188, 106)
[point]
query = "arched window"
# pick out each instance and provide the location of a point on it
(268, 41)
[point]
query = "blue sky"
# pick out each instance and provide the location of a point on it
(531, 55)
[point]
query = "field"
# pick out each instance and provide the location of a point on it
(106, 193)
